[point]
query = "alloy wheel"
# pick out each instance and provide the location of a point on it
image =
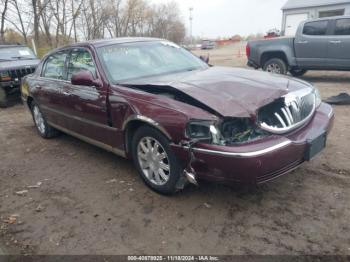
(153, 160)
(39, 119)
(273, 68)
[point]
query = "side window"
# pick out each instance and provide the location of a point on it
(316, 28)
(55, 66)
(342, 27)
(80, 59)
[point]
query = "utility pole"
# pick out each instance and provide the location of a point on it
(191, 22)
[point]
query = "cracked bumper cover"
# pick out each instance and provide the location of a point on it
(259, 161)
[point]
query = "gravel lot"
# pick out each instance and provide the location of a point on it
(83, 200)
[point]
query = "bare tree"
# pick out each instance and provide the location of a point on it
(57, 22)
(4, 3)
(20, 18)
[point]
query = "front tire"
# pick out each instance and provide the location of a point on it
(3, 98)
(297, 72)
(275, 66)
(155, 161)
(43, 128)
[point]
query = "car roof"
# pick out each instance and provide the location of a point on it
(106, 42)
(329, 18)
(120, 40)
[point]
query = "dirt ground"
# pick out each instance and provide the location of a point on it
(83, 200)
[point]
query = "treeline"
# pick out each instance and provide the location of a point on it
(52, 23)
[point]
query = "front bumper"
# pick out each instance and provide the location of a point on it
(10, 86)
(259, 161)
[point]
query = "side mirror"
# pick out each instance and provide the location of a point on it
(204, 58)
(84, 78)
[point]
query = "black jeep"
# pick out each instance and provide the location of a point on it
(16, 61)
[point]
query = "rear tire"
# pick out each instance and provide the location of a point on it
(155, 161)
(3, 98)
(297, 72)
(275, 66)
(43, 128)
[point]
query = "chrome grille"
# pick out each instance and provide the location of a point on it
(288, 112)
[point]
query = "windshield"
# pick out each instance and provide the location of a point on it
(15, 53)
(143, 59)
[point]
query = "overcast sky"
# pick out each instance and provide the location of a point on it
(214, 18)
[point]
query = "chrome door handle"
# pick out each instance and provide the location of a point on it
(335, 42)
(303, 42)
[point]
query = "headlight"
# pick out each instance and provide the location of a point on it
(318, 98)
(203, 130)
(230, 131)
(5, 76)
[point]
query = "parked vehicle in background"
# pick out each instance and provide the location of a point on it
(320, 44)
(16, 61)
(272, 33)
(178, 118)
(207, 44)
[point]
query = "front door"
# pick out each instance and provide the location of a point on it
(311, 45)
(87, 105)
(339, 45)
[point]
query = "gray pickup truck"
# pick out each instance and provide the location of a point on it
(320, 44)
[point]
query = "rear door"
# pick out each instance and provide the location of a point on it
(311, 44)
(339, 44)
(48, 88)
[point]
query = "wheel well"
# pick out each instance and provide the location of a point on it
(269, 55)
(29, 101)
(130, 130)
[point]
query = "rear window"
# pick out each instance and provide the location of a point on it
(342, 27)
(316, 28)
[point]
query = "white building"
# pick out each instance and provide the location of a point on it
(296, 11)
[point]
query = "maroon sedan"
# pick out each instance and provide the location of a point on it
(178, 118)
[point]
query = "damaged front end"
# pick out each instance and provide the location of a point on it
(230, 131)
(279, 117)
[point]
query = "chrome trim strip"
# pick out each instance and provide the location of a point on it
(90, 141)
(146, 120)
(42, 78)
(246, 154)
(86, 121)
(284, 111)
(330, 113)
(281, 120)
(290, 114)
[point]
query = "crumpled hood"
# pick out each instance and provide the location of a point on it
(232, 92)
(8, 65)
